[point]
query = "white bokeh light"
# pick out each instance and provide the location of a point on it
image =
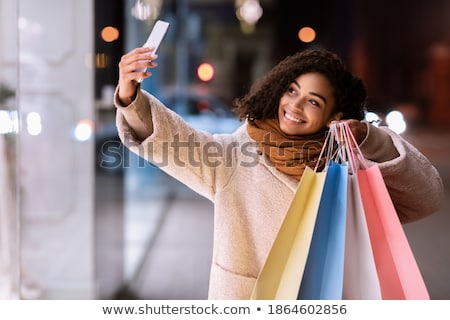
(372, 118)
(34, 124)
(83, 130)
(141, 11)
(9, 122)
(396, 121)
(251, 11)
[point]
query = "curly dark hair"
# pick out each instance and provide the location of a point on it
(261, 102)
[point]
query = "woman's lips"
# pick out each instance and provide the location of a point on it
(292, 117)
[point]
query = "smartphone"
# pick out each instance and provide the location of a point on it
(155, 38)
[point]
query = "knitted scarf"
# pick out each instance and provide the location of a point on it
(289, 153)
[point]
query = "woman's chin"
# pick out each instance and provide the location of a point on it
(292, 129)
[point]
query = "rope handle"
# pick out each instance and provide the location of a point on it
(347, 147)
(341, 146)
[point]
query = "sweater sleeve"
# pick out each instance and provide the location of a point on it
(378, 145)
(134, 120)
(414, 184)
(162, 137)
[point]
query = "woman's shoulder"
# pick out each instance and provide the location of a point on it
(238, 137)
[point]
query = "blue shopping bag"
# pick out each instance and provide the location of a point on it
(324, 271)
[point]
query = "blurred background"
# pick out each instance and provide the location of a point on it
(81, 218)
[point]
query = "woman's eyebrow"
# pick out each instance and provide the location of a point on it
(319, 96)
(312, 93)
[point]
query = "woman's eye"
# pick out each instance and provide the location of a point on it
(291, 90)
(314, 103)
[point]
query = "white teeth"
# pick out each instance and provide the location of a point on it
(289, 117)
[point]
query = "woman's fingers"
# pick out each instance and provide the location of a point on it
(134, 66)
(358, 129)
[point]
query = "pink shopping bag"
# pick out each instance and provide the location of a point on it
(398, 272)
(399, 275)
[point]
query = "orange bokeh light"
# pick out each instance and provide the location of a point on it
(307, 34)
(110, 34)
(205, 71)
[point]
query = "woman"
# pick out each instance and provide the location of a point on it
(251, 175)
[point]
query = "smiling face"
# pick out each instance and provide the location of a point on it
(306, 107)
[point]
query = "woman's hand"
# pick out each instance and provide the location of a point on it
(358, 128)
(129, 65)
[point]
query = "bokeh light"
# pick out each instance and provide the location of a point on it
(34, 124)
(372, 118)
(307, 34)
(250, 11)
(205, 71)
(110, 34)
(396, 121)
(9, 122)
(83, 130)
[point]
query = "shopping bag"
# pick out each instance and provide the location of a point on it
(282, 271)
(360, 273)
(324, 271)
(399, 275)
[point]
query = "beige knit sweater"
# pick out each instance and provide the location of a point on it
(249, 194)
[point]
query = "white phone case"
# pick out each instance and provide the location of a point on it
(155, 38)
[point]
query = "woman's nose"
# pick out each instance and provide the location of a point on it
(298, 103)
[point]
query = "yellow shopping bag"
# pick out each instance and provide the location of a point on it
(282, 272)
